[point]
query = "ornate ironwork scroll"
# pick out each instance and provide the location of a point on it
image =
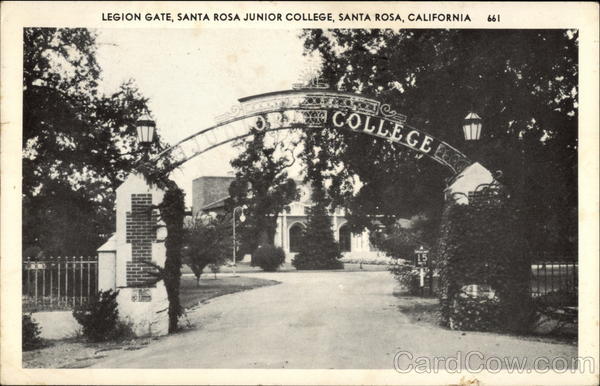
(310, 108)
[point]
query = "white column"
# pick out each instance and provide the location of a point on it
(336, 236)
(285, 234)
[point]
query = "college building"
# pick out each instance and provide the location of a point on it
(210, 193)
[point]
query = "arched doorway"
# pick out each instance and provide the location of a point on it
(345, 238)
(295, 237)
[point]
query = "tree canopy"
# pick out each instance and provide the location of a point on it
(78, 144)
(523, 83)
(262, 184)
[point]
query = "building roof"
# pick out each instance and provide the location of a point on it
(220, 203)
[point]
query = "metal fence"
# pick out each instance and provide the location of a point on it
(58, 282)
(554, 276)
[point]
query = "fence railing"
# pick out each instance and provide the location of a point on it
(58, 282)
(552, 276)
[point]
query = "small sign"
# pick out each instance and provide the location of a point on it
(421, 256)
(141, 295)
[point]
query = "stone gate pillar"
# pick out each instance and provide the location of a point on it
(467, 181)
(141, 304)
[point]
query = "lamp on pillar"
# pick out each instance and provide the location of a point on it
(472, 127)
(146, 127)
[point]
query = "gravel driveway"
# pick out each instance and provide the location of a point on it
(327, 320)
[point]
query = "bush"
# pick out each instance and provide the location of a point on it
(269, 257)
(99, 318)
(369, 260)
(30, 333)
(475, 313)
(408, 277)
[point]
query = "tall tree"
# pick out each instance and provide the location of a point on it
(262, 184)
(522, 82)
(78, 145)
(318, 249)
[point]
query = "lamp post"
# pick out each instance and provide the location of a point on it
(242, 219)
(146, 127)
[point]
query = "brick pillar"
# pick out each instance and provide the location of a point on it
(141, 304)
(140, 233)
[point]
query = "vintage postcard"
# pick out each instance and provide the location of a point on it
(299, 193)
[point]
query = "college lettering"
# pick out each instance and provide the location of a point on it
(384, 128)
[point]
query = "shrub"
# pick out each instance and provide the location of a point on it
(99, 318)
(269, 257)
(407, 275)
(30, 333)
(369, 260)
(475, 313)
(557, 299)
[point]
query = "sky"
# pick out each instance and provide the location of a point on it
(193, 75)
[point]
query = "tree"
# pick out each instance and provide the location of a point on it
(207, 241)
(262, 184)
(522, 82)
(318, 249)
(78, 145)
(400, 240)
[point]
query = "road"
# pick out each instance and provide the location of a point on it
(321, 320)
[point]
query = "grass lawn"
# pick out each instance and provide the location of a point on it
(192, 294)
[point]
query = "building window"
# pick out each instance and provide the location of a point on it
(296, 232)
(345, 238)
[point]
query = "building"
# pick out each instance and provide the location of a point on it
(209, 195)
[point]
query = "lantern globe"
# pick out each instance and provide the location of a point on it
(472, 127)
(145, 126)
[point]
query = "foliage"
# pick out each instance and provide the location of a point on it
(318, 249)
(476, 313)
(368, 260)
(172, 212)
(207, 241)
(400, 241)
(77, 143)
(262, 184)
(523, 83)
(407, 276)
(480, 244)
(269, 257)
(100, 317)
(30, 333)
(557, 299)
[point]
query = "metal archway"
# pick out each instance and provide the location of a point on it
(314, 108)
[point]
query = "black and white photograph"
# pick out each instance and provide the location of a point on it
(388, 189)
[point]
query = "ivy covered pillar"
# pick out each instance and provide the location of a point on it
(483, 264)
(142, 301)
